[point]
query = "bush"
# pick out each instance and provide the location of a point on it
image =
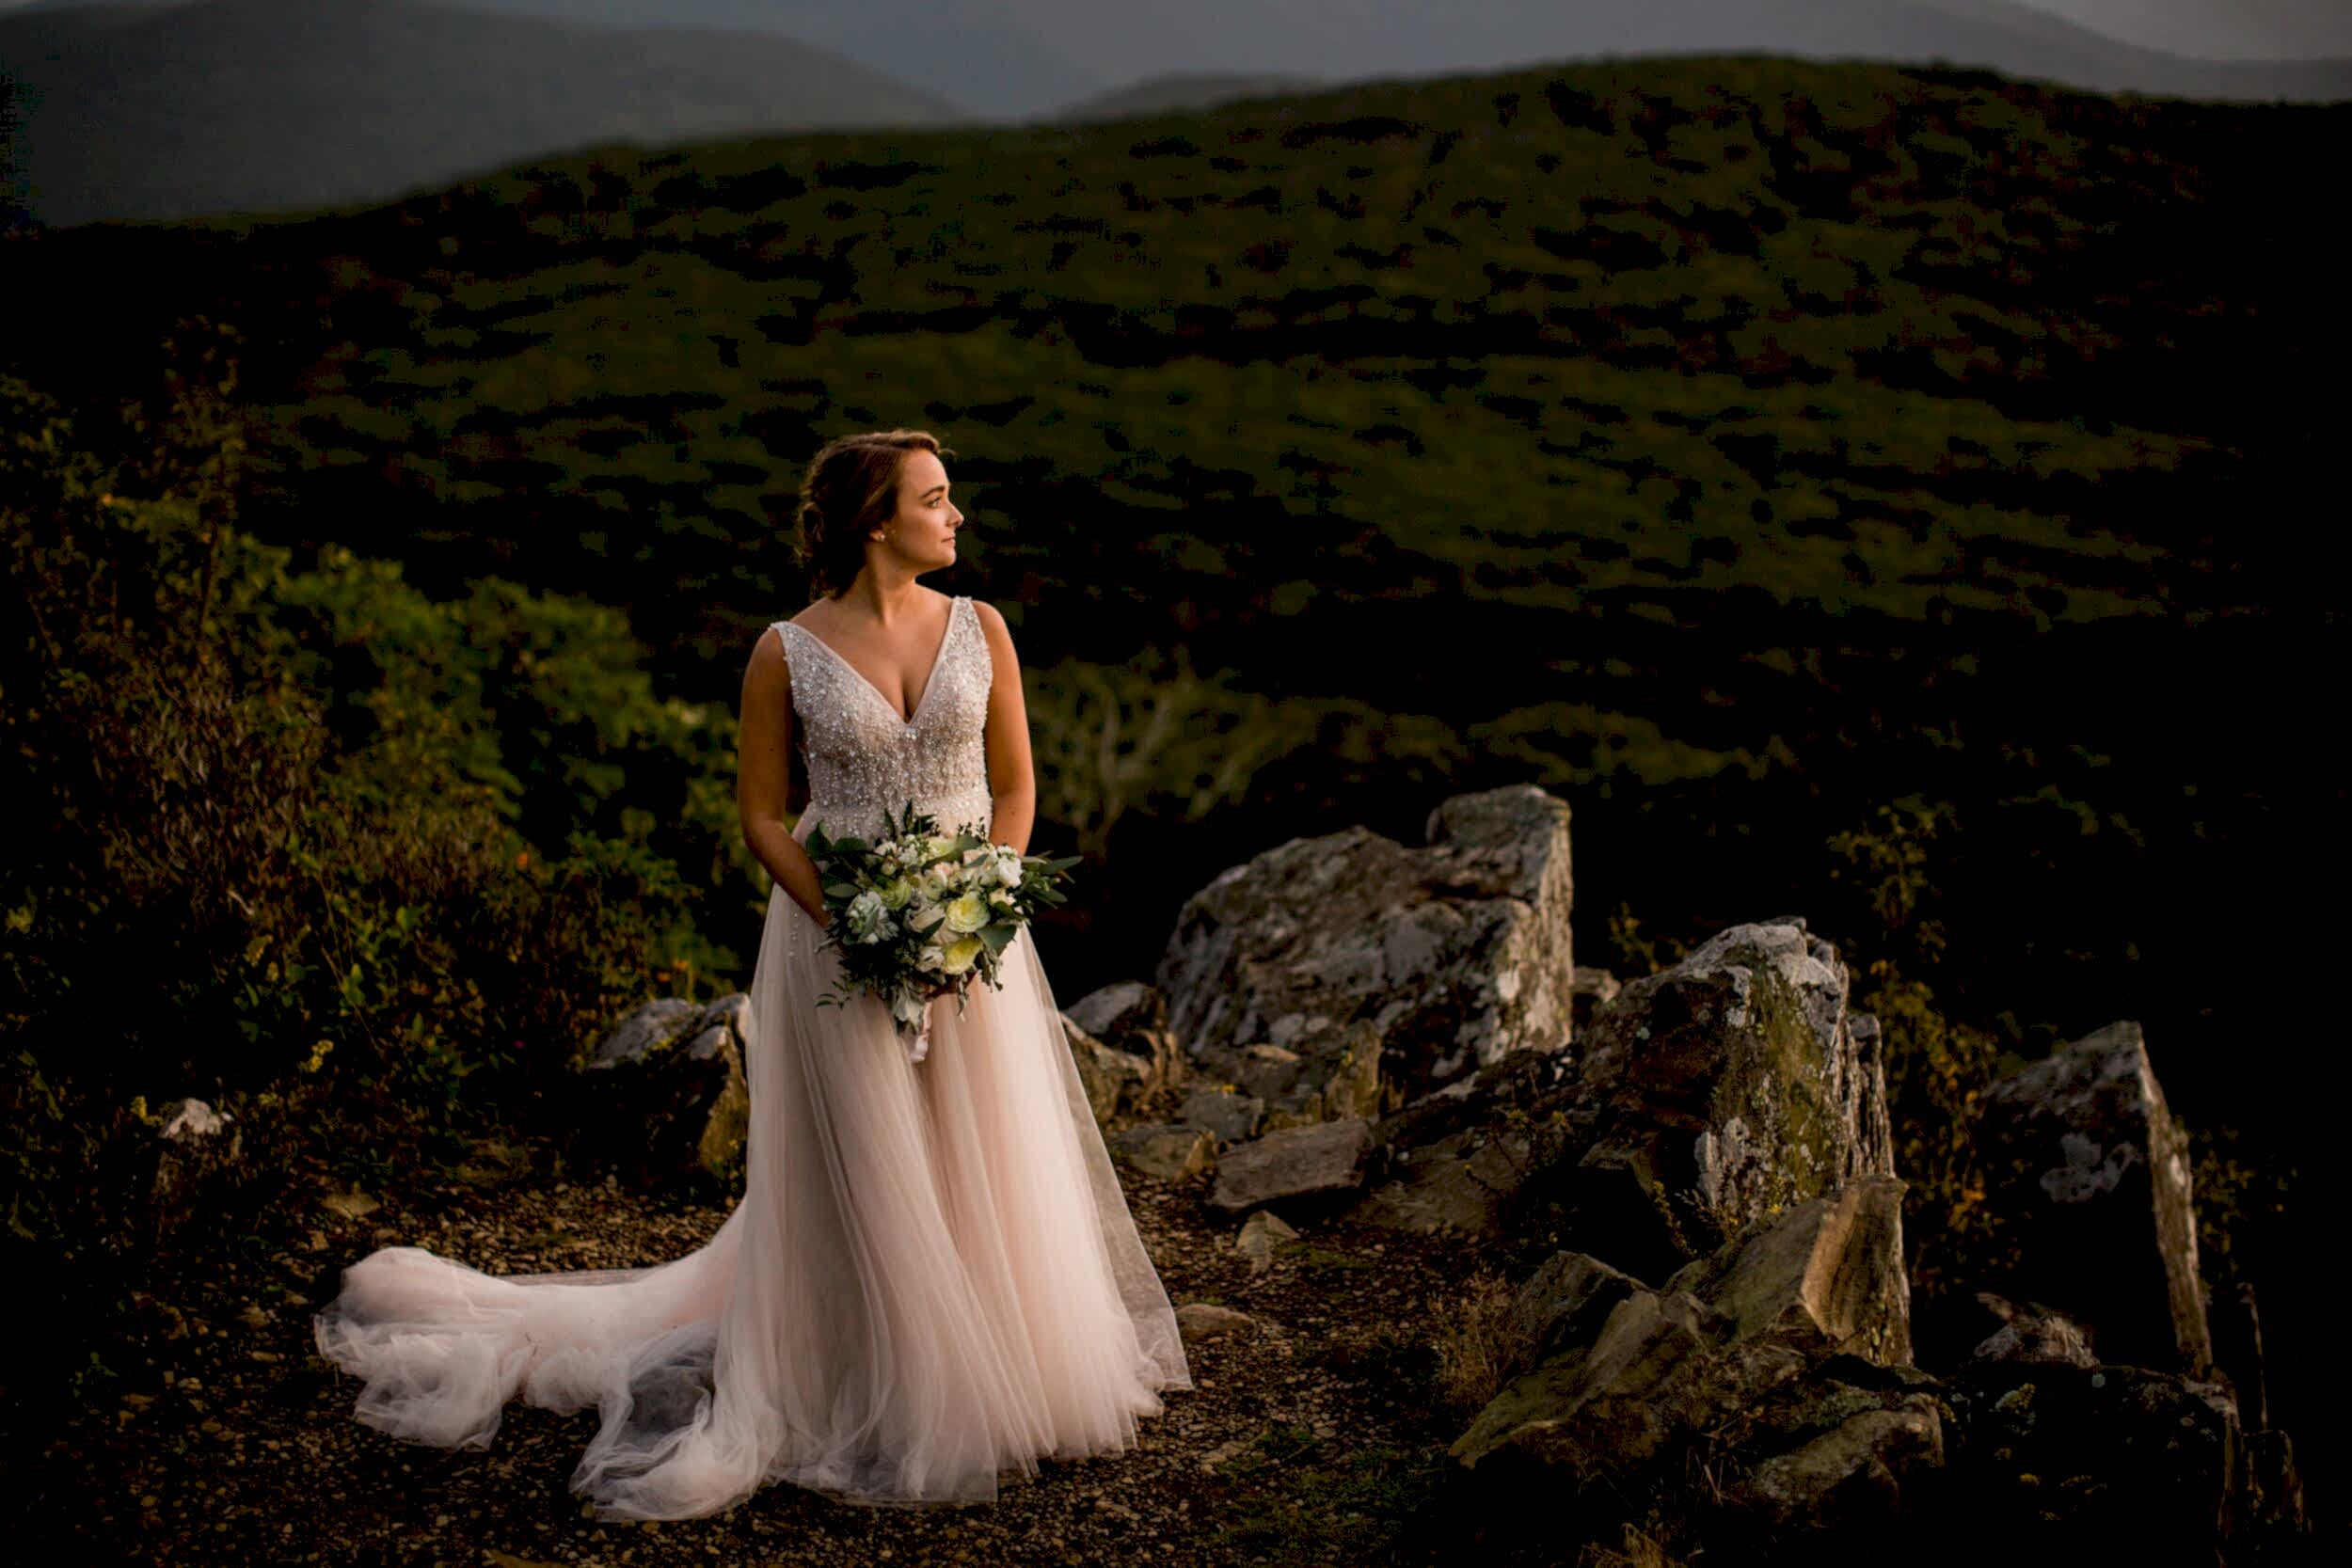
(362, 869)
(1937, 1067)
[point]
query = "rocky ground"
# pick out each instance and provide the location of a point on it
(1637, 1294)
(1314, 1430)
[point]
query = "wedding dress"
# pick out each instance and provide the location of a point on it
(932, 1277)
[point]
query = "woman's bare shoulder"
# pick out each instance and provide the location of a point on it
(992, 619)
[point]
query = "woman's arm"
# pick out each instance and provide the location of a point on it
(1012, 780)
(763, 774)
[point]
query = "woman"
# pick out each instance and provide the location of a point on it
(932, 1277)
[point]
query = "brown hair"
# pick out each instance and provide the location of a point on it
(851, 486)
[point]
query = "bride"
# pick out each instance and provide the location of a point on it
(933, 1279)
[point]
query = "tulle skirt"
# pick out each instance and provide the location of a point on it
(933, 1279)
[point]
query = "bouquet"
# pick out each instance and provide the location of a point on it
(917, 911)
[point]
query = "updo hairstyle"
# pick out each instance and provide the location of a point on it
(850, 489)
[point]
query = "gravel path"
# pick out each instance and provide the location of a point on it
(1314, 1434)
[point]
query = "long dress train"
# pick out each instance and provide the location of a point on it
(933, 1279)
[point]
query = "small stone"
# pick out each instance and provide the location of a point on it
(1198, 1320)
(1259, 1234)
(351, 1206)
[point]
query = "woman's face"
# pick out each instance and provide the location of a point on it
(925, 529)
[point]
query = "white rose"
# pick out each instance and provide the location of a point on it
(961, 951)
(870, 920)
(967, 913)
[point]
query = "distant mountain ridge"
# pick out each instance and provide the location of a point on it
(165, 110)
(1025, 59)
(366, 99)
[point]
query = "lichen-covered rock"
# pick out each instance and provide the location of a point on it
(645, 1032)
(664, 1096)
(1343, 976)
(1717, 1094)
(2089, 1169)
(1310, 1166)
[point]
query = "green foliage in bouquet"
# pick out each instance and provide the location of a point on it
(917, 910)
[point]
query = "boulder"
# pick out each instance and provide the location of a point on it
(1716, 1095)
(1836, 1460)
(2089, 1170)
(1304, 1166)
(1454, 1159)
(663, 1093)
(1563, 1303)
(2052, 1454)
(1456, 1183)
(1590, 990)
(1115, 1082)
(1776, 1363)
(1169, 1151)
(1343, 976)
(1225, 1115)
(2032, 1333)
(649, 1030)
(1126, 1055)
(1828, 1274)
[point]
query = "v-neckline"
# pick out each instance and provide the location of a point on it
(955, 605)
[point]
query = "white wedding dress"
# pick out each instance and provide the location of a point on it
(932, 1277)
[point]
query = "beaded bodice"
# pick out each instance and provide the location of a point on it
(863, 759)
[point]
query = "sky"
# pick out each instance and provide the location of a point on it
(2211, 30)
